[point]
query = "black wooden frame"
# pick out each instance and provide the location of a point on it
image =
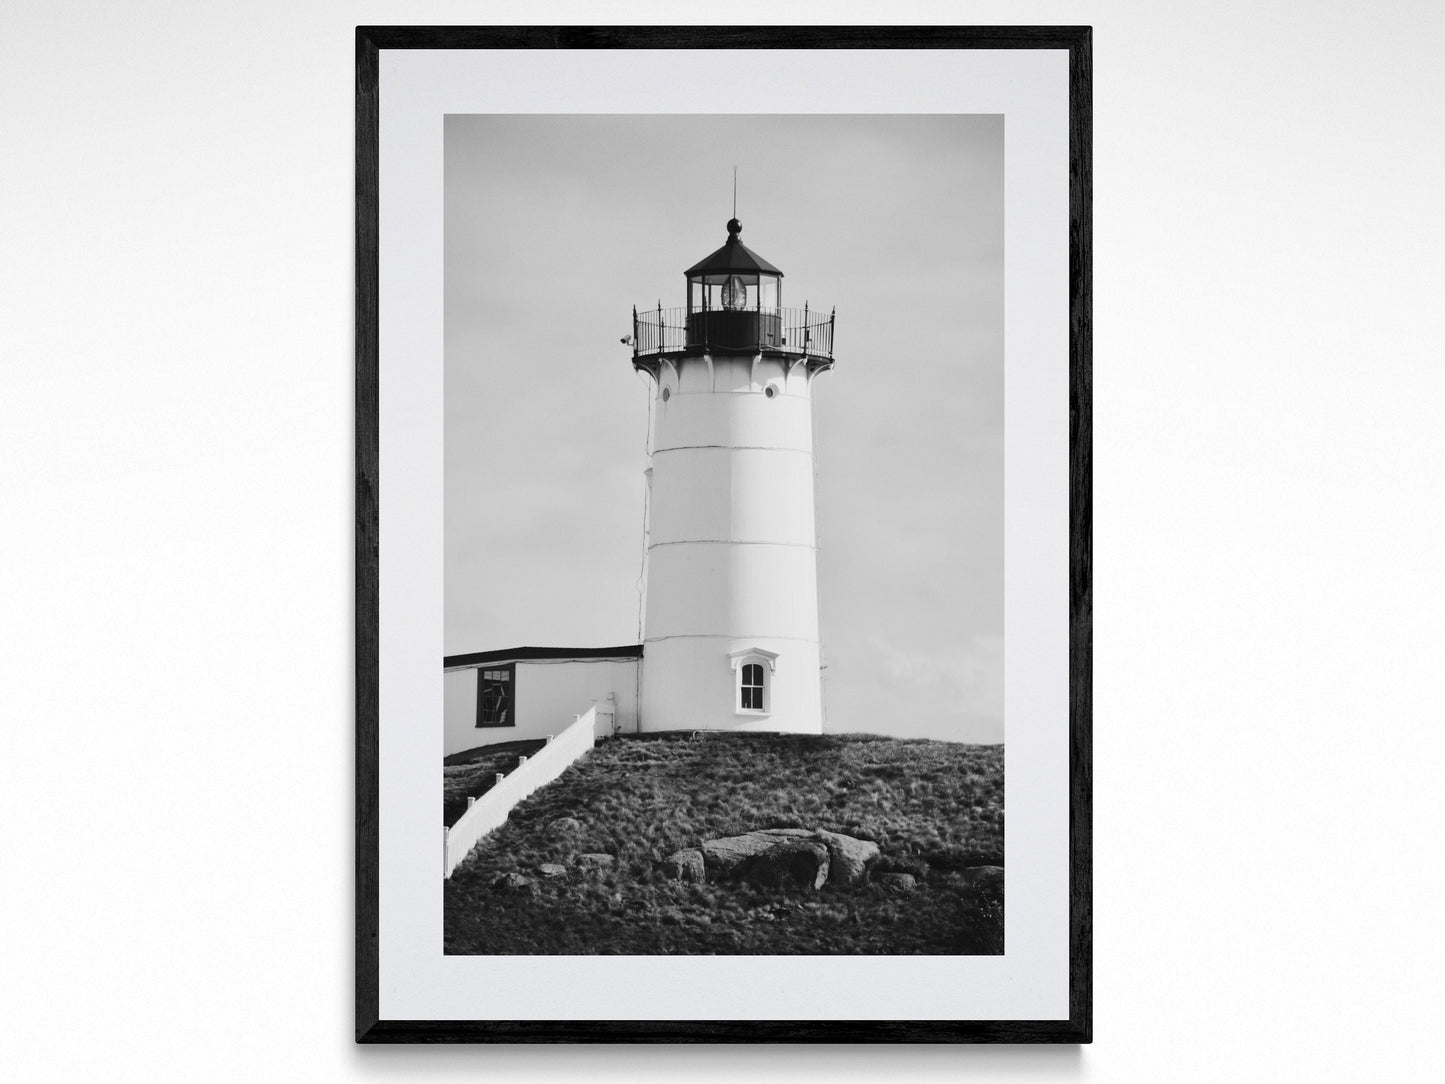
(1078, 1028)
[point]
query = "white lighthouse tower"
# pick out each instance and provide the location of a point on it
(731, 631)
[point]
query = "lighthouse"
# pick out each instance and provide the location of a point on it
(730, 636)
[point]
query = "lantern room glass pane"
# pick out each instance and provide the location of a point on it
(768, 292)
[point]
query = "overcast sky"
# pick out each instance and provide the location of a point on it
(557, 225)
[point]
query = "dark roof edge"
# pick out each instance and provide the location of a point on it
(524, 654)
(733, 256)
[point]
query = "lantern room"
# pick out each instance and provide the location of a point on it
(734, 306)
(733, 298)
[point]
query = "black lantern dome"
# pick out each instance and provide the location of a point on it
(734, 298)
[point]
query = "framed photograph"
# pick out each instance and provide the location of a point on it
(723, 534)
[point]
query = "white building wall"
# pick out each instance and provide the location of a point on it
(746, 494)
(734, 590)
(549, 694)
(732, 558)
(459, 689)
(689, 684)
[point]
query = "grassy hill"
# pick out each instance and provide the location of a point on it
(934, 809)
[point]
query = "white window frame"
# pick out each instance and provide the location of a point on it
(768, 661)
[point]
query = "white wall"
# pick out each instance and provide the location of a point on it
(689, 684)
(175, 470)
(548, 695)
(706, 594)
(732, 558)
(748, 494)
(460, 730)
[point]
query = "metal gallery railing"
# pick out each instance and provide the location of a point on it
(804, 331)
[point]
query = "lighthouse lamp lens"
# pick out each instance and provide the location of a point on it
(735, 294)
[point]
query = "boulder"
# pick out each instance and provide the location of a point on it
(552, 869)
(849, 857)
(795, 863)
(511, 882)
(686, 865)
(565, 824)
(723, 856)
(896, 882)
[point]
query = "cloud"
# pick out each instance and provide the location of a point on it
(968, 674)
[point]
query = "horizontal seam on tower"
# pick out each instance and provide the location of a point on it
(734, 448)
(740, 391)
(731, 542)
(723, 636)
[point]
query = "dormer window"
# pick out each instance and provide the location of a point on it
(753, 669)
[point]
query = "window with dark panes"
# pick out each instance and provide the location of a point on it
(752, 687)
(494, 696)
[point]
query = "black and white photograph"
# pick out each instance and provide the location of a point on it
(723, 534)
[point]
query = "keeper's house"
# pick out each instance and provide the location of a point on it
(531, 692)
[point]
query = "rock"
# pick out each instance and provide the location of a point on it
(511, 882)
(565, 824)
(850, 857)
(898, 882)
(685, 865)
(596, 861)
(723, 856)
(796, 863)
(552, 869)
(984, 876)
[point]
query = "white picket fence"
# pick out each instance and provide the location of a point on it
(490, 811)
